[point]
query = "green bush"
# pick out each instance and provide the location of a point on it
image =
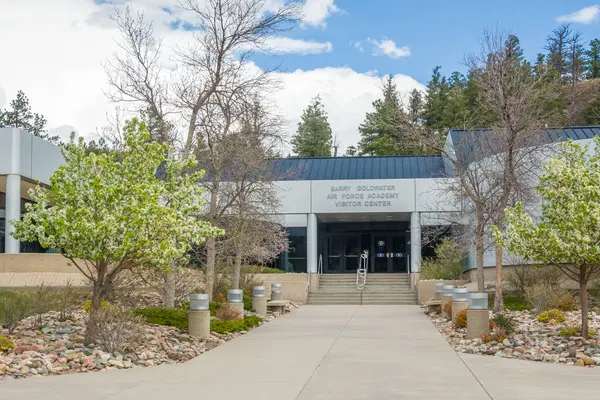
(568, 331)
(6, 344)
(511, 303)
(549, 315)
(261, 269)
(246, 324)
(15, 306)
(177, 317)
(447, 263)
(505, 322)
(248, 302)
(214, 306)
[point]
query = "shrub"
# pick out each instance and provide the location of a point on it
(220, 298)
(492, 325)
(500, 334)
(213, 306)
(43, 300)
(518, 279)
(511, 303)
(543, 295)
(505, 322)
(248, 302)
(6, 344)
(247, 323)
(114, 328)
(227, 313)
(68, 299)
(568, 303)
(448, 309)
(88, 304)
(574, 330)
(447, 264)
(221, 326)
(261, 269)
(461, 319)
(552, 314)
(15, 306)
(177, 317)
(486, 338)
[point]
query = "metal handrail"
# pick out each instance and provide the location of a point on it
(320, 264)
(361, 272)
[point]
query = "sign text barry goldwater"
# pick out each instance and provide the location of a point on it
(363, 195)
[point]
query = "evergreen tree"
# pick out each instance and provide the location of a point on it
(313, 137)
(381, 131)
(592, 60)
(20, 116)
(436, 101)
(557, 45)
(415, 106)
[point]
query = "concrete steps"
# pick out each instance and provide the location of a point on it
(380, 289)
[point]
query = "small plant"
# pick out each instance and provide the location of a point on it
(492, 325)
(15, 306)
(549, 315)
(566, 304)
(252, 321)
(68, 298)
(545, 295)
(568, 330)
(114, 328)
(505, 322)
(461, 319)
(227, 313)
(486, 338)
(447, 264)
(500, 334)
(448, 309)
(43, 300)
(177, 317)
(214, 306)
(248, 302)
(6, 344)
(246, 324)
(88, 304)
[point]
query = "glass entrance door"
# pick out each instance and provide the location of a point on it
(389, 253)
(343, 253)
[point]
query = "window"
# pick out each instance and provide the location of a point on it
(293, 260)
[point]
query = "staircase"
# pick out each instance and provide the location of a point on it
(380, 289)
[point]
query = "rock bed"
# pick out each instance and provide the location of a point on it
(57, 348)
(532, 340)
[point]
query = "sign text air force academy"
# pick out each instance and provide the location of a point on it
(362, 195)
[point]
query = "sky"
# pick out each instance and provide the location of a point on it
(54, 50)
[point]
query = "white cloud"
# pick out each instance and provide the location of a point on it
(285, 45)
(358, 45)
(586, 15)
(316, 12)
(60, 69)
(388, 47)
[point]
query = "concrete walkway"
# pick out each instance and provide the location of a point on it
(327, 352)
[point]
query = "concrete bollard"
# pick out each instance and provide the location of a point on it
(259, 300)
(460, 301)
(446, 298)
(439, 288)
(235, 301)
(478, 316)
(276, 291)
(199, 316)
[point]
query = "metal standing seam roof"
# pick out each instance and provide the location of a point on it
(468, 143)
(354, 168)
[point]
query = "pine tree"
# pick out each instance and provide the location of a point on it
(557, 45)
(436, 101)
(20, 116)
(313, 137)
(381, 132)
(415, 106)
(592, 60)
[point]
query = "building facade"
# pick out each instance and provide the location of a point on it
(334, 209)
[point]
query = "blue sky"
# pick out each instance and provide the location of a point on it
(61, 72)
(437, 32)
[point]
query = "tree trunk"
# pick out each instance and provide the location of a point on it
(97, 291)
(237, 268)
(211, 248)
(479, 258)
(169, 288)
(498, 298)
(584, 301)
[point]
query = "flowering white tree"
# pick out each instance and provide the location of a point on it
(110, 213)
(567, 232)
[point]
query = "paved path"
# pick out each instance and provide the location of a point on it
(327, 352)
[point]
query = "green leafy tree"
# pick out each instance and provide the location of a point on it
(566, 232)
(313, 137)
(19, 115)
(592, 60)
(351, 151)
(109, 214)
(381, 132)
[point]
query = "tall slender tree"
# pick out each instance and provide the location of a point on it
(313, 137)
(557, 45)
(576, 61)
